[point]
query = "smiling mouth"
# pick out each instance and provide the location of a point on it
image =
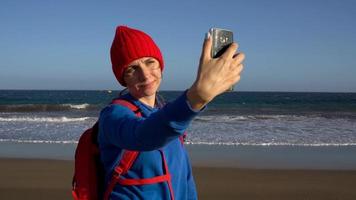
(147, 85)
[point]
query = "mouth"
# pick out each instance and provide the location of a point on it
(147, 85)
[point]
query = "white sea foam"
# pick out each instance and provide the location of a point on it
(229, 118)
(221, 118)
(252, 130)
(78, 106)
(40, 141)
(42, 119)
(268, 144)
(189, 143)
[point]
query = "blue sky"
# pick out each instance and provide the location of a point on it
(289, 45)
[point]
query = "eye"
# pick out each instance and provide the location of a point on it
(130, 70)
(150, 61)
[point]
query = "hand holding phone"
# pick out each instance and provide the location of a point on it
(217, 74)
(221, 40)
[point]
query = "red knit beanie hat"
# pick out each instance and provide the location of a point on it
(128, 45)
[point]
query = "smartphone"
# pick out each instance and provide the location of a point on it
(221, 38)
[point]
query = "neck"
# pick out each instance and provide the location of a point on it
(148, 100)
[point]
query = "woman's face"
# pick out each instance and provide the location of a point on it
(143, 77)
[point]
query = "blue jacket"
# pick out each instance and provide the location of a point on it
(119, 128)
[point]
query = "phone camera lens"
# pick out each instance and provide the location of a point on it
(223, 39)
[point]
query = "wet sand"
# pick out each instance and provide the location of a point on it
(51, 179)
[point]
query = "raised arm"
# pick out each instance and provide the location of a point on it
(215, 75)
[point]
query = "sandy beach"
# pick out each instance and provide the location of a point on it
(51, 179)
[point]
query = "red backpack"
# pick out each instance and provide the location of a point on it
(88, 180)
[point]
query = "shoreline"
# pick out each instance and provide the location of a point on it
(51, 179)
(44, 171)
(250, 157)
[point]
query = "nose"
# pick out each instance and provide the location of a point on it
(144, 72)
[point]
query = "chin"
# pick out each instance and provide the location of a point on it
(149, 92)
(145, 92)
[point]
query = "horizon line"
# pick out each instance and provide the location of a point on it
(110, 90)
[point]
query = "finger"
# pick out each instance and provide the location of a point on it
(236, 78)
(240, 67)
(233, 80)
(229, 53)
(236, 71)
(239, 58)
(206, 52)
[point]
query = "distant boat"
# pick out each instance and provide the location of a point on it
(109, 91)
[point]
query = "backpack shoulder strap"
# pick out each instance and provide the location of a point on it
(183, 137)
(128, 157)
(129, 105)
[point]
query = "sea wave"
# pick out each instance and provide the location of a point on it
(258, 117)
(192, 143)
(40, 141)
(47, 107)
(269, 144)
(43, 119)
(232, 118)
(78, 106)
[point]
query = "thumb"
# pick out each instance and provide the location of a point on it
(206, 52)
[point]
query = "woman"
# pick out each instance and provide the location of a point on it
(138, 64)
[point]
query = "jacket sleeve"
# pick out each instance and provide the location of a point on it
(119, 126)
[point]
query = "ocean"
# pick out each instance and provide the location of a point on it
(232, 119)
